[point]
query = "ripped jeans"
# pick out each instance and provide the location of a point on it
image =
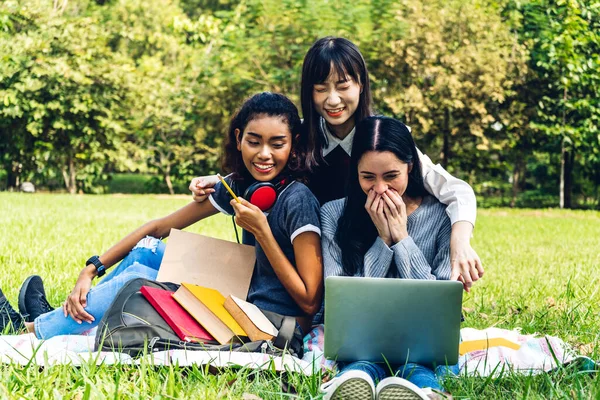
(142, 262)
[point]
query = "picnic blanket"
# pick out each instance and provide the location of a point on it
(79, 350)
(486, 352)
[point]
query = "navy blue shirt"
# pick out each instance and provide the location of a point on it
(296, 211)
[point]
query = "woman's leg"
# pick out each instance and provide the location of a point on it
(375, 371)
(99, 299)
(356, 381)
(149, 252)
(419, 375)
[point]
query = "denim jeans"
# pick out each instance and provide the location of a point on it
(419, 375)
(142, 262)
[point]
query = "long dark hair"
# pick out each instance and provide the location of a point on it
(356, 232)
(347, 60)
(272, 105)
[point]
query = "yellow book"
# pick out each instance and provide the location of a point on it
(207, 307)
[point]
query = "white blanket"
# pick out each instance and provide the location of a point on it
(485, 352)
(79, 349)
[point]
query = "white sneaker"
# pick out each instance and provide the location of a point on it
(395, 388)
(351, 385)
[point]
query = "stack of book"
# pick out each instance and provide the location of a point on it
(200, 314)
(214, 311)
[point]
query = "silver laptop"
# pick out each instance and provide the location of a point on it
(393, 320)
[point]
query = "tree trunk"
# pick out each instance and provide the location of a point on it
(569, 161)
(516, 176)
(566, 175)
(68, 174)
(168, 180)
(446, 146)
(561, 201)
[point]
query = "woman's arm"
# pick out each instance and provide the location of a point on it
(160, 228)
(466, 265)
(305, 282)
(202, 186)
(462, 210)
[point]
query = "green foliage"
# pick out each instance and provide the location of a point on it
(63, 93)
(492, 89)
(564, 82)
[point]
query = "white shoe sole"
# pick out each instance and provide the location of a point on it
(353, 389)
(398, 392)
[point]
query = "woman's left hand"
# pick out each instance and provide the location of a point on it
(249, 217)
(395, 212)
(465, 263)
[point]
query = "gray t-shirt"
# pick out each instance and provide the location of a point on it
(296, 211)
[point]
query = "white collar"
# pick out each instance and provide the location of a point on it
(333, 141)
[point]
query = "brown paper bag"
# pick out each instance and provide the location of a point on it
(205, 261)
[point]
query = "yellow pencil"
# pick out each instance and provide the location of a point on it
(228, 188)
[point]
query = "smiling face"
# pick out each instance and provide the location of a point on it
(336, 100)
(265, 145)
(382, 170)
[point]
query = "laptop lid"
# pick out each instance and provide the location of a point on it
(393, 320)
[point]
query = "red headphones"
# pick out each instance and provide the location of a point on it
(264, 194)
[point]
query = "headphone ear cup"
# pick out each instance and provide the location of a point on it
(262, 194)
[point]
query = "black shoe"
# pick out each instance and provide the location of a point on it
(10, 320)
(32, 299)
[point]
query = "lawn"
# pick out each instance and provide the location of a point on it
(541, 276)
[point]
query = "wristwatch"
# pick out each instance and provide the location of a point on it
(100, 268)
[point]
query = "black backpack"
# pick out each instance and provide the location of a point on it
(131, 325)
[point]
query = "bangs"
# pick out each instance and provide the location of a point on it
(343, 65)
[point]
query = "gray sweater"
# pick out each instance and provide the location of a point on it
(424, 254)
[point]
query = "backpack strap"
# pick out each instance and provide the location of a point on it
(286, 332)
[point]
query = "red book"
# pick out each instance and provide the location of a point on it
(184, 325)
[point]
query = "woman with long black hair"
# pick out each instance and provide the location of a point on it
(388, 226)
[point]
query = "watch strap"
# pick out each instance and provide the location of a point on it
(100, 268)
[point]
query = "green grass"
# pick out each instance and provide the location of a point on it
(541, 275)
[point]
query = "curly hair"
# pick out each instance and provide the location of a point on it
(259, 105)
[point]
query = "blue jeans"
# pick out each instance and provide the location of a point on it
(419, 375)
(142, 262)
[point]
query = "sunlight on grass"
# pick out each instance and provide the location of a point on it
(541, 276)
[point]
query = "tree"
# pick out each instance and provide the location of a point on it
(564, 42)
(444, 70)
(63, 91)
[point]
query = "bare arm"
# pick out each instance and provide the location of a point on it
(159, 228)
(182, 218)
(466, 265)
(305, 282)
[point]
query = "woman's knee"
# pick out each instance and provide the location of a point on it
(151, 243)
(411, 368)
(149, 251)
(137, 270)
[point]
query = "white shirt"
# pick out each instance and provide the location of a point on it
(455, 193)
(333, 141)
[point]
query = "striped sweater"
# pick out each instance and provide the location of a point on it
(424, 254)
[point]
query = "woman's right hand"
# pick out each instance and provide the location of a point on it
(202, 186)
(77, 300)
(375, 209)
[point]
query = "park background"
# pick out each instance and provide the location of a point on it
(133, 96)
